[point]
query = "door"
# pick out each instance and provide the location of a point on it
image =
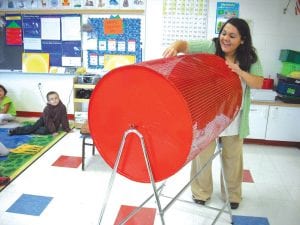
(283, 124)
(258, 119)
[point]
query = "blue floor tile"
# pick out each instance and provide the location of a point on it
(30, 204)
(249, 220)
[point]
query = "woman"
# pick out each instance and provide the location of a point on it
(234, 44)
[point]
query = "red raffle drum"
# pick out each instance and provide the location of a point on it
(179, 104)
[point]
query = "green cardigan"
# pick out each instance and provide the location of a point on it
(208, 46)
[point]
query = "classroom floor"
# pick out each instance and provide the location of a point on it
(54, 190)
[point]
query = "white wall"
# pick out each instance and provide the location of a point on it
(24, 90)
(271, 29)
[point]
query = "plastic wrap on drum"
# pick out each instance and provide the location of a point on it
(179, 104)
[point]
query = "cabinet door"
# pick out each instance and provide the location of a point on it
(283, 124)
(258, 119)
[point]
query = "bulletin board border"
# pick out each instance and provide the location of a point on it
(75, 11)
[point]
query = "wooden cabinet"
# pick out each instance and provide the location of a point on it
(81, 103)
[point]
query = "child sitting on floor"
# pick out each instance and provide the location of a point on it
(53, 119)
(7, 107)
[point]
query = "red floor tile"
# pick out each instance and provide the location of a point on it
(68, 161)
(247, 177)
(145, 216)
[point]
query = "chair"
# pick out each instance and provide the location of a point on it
(85, 132)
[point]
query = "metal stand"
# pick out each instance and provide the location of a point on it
(157, 191)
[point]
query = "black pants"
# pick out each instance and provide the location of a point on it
(37, 128)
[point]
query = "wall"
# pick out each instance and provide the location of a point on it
(28, 97)
(271, 29)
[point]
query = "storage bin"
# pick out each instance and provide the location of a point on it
(288, 99)
(88, 79)
(288, 67)
(287, 55)
(288, 87)
(84, 93)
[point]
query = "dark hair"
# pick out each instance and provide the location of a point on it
(4, 89)
(245, 53)
(51, 93)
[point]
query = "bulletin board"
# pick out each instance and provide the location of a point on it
(57, 35)
(71, 4)
(112, 41)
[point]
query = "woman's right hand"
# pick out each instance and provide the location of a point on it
(169, 52)
(175, 48)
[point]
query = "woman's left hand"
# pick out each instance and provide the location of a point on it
(251, 80)
(234, 67)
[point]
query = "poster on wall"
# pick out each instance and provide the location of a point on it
(184, 19)
(10, 54)
(58, 35)
(20, 4)
(110, 42)
(13, 30)
(225, 11)
(73, 4)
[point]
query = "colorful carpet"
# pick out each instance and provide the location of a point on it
(24, 150)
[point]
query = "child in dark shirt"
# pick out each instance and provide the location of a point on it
(53, 118)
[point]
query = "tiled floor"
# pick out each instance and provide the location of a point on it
(54, 190)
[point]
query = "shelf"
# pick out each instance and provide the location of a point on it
(85, 86)
(81, 104)
(81, 100)
(78, 125)
(73, 11)
(20, 73)
(275, 103)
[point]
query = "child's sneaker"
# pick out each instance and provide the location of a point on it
(4, 180)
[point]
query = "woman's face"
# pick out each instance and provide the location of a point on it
(230, 39)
